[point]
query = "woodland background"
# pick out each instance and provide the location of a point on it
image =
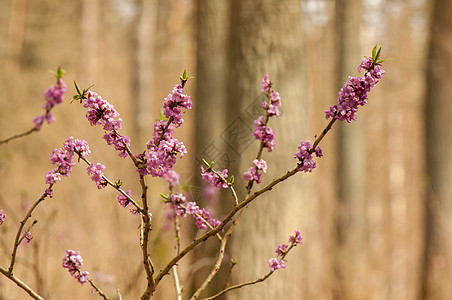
(376, 214)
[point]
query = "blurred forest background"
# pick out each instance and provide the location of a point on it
(376, 214)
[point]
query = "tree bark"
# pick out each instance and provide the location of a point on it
(265, 37)
(438, 112)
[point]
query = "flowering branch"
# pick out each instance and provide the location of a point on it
(53, 95)
(158, 160)
(274, 263)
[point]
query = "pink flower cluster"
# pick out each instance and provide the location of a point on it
(2, 216)
(162, 154)
(262, 132)
(95, 170)
(163, 148)
(183, 208)
(54, 95)
(354, 92)
(307, 164)
(272, 106)
(217, 182)
(28, 237)
(101, 112)
(73, 262)
(276, 264)
(175, 103)
(281, 251)
(266, 84)
(123, 201)
(62, 158)
(253, 173)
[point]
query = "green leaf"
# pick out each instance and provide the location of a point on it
(374, 52)
(77, 88)
(378, 54)
(165, 196)
(118, 183)
(184, 76)
(231, 181)
(207, 164)
(60, 72)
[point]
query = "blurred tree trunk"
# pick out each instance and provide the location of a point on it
(209, 105)
(16, 32)
(265, 37)
(90, 34)
(143, 66)
(438, 113)
(351, 175)
(210, 91)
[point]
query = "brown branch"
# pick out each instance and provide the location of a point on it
(97, 289)
(18, 237)
(19, 135)
(109, 182)
(219, 260)
(224, 291)
(21, 284)
(239, 286)
(176, 252)
(146, 219)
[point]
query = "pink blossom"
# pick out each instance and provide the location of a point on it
(264, 134)
(307, 164)
(177, 202)
(253, 173)
(175, 103)
(282, 249)
(63, 158)
(2, 216)
(354, 92)
(49, 192)
(297, 238)
(266, 84)
(83, 277)
(214, 179)
(95, 170)
(275, 264)
(54, 95)
(73, 262)
(101, 112)
(52, 176)
(183, 208)
(123, 201)
(28, 238)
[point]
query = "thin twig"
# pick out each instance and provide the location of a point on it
(147, 263)
(21, 284)
(116, 187)
(219, 260)
(21, 227)
(176, 279)
(97, 289)
(19, 135)
(224, 291)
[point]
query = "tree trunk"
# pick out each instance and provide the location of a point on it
(265, 37)
(438, 113)
(143, 67)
